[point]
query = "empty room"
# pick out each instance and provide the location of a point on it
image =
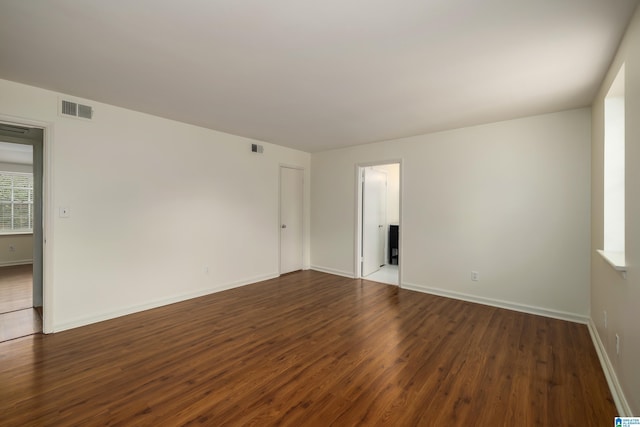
(319, 213)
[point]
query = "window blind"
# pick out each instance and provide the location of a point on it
(16, 202)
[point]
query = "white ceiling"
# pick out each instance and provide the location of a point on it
(321, 74)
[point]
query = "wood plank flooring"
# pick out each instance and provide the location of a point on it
(309, 349)
(19, 323)
(17, 317)
(16, 288)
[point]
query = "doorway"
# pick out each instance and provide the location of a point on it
(21, 231)
(291, 219)
(379, 223)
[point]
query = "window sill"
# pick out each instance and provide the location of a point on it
(617, 260)
(15, 233)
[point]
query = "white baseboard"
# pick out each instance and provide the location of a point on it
(16, 262)
(348, 274)
(158, 303)
(540, 311)
(612, 379)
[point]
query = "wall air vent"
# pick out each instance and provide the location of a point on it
(73, 109)
(69, 108)
(85, 111)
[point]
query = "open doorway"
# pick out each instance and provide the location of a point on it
(379, 223)
(21, 255)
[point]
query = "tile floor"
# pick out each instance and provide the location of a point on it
(387, 274)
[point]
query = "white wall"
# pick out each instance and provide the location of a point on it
(393, 191)
(508, 199)
(22, 252)
(609, 290)
(153, 204)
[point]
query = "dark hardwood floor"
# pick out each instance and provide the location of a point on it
(309, 349)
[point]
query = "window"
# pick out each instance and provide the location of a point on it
(614, 174)
(16, 202)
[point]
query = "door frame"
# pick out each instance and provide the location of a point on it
(304, 221)
(358, 214)
(47, 220)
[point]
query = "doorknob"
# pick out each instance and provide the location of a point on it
(284, 226)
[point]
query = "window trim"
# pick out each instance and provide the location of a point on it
(617, 260)
(614, 251)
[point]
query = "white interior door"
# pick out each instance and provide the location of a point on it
(374, 209)
(291, 197)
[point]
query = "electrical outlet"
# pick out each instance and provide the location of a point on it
(604, 318)
(475, 276)
(617, 344)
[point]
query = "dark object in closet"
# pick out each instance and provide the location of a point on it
(393, 244)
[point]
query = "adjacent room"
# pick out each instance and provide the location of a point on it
(20, 309)
(319, 213)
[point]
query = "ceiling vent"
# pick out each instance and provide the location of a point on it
(73, 109)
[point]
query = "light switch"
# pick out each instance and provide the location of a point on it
(65, 212)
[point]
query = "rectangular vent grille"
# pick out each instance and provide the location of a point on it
(85, 111)
(73, 109)
(69, 108)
